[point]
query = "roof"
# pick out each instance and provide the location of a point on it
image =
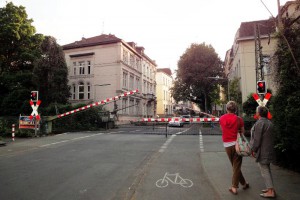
(93, 41)
(266, 27)
(165, 70)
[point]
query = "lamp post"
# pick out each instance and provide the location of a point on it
(219, 78)
(95, 91)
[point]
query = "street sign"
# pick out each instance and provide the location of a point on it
(26, 123)
(34, 110)
(262, 103)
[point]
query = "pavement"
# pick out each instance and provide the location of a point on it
(218, 169)
(214, 162)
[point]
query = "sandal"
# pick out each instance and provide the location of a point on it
(246, 186)
(264, 190)
(264, 195)
(232, 192)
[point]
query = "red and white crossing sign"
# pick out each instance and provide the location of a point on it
(262, 102)
(34, 110)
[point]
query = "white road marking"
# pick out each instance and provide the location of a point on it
(201, 141)
(63, 141)
(166, 144)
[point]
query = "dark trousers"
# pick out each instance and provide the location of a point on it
(236, 162)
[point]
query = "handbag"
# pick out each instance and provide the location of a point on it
(242, 146)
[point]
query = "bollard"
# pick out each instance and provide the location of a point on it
(166, 130)
(13, 132)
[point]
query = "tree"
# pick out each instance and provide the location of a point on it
(19, 43)
(199, 62)
(51, 73)
(286, 103)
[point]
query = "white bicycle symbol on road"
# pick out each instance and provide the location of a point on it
(175, 179)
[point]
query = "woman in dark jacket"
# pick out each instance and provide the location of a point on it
(263, 148)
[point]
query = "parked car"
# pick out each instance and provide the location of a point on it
(176, 121)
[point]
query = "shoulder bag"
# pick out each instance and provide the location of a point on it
(242, 146)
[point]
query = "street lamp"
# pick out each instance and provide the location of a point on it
(95, 91)
(219, 78)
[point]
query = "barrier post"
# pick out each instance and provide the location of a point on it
(166, 130)
(13, 132)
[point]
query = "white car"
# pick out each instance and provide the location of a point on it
(176, 121)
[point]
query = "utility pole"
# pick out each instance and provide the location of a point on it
(258, 55)
(279, 16)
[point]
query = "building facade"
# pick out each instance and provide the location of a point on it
(106, 66)
(240, 60)
(165, 101)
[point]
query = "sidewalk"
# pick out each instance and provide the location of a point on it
(219, 171)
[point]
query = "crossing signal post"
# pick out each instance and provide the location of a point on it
(34, 97)
(261, 87)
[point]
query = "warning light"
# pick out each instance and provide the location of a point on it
(34, 96)
(261, 87)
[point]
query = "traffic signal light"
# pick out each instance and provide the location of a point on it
(34, 96)
(261, 87)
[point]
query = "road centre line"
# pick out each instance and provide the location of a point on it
(201, 141)
(63, 141)
(165, 145)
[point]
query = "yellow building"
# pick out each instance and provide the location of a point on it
(164, 83)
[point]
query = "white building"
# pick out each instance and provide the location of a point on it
(105, 66)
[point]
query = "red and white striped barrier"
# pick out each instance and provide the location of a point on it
(13, 132)
(192, 120)
(108, 100)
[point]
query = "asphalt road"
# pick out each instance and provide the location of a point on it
(129, 163)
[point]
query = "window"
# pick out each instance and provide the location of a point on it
(88, 91)
(266, 65)
(148, 88)
(125, 56)
(132, 61)
(137, 83)
(124, 105)
(137, 107)
(138, 64)
(145, 87)
(74, 65)
(131, 108)
(73, 92)
(89, 67)
(131, 82)
(81, 90)
(147, 72)
(125, 75)
(81, 68)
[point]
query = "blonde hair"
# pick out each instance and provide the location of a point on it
(231, 107)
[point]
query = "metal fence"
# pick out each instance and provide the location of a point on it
(159, 128)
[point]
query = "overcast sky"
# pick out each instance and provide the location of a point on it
(165, 28)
